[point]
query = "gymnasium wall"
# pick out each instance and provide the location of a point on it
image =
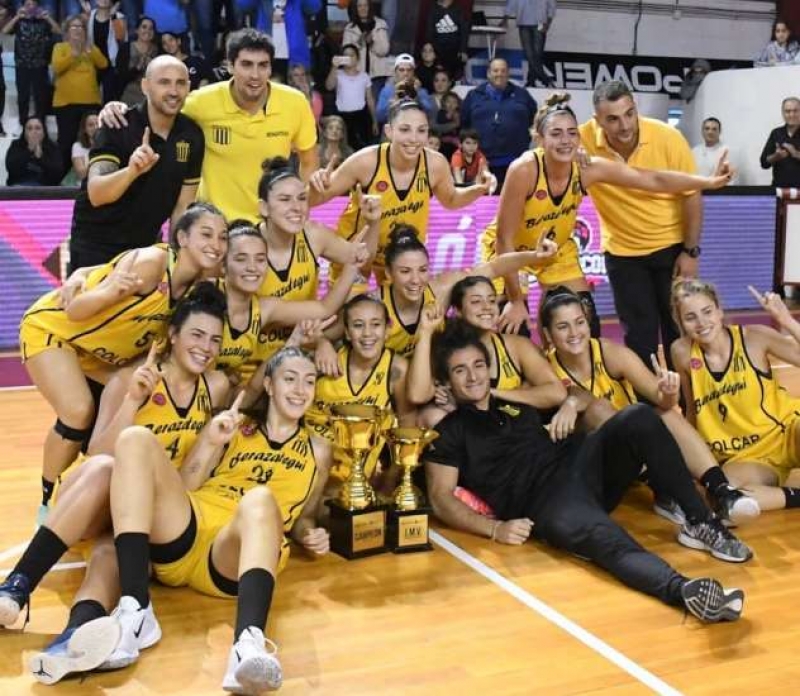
(737, 245)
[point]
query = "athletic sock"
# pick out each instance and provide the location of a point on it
(792, 497)
(42, 553)
(713, 479)
(47, 490)
(255, 597)
(133, 555)
(85, 611)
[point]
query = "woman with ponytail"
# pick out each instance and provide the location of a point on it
(541, 195)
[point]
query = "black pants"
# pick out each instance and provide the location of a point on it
(576, 518)
(33, 82)
(532, 41)
(359, 127)
(87, 254)
(641, 287)
(68, 119)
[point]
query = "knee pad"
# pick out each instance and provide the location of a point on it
(587, 300)
(72, 434)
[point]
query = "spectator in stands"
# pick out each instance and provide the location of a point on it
(389, 13)
(300, 79)
(33, 159)
(132, 9)
(782, 149)
(502, 113)
(371, 35)
(108, 30)
(6, 42)
(783, 48)
(333, 144)
(80, 150)
(448, 32)
(204, 16)
(135, 59)
(198, 67)
(427, 65)
(691, 82)
(354, 100)
(533, 19)
(434, 142)
(707, 154)
(468, 161)
(75, 65)
(448, 123)
(33, 29)
(442, 84)
(284, 21)
(404, 71)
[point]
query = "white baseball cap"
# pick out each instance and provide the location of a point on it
(404, 59)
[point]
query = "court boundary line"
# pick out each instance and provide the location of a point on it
(547, 612)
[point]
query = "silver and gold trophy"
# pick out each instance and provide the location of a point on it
(357, 519)
(409, 514)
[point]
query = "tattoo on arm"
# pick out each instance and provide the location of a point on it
(102, 168)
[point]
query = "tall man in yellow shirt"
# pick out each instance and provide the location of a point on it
(648, 238)
(245, 121)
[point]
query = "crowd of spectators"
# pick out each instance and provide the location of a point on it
(72, 57)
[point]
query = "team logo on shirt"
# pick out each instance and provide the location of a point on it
(182, 151)
(381, 186)
(540, 195)
(159, 399)
(163, 287)
(695, 363)
(576, 188)
(221, 135)
(422, 183)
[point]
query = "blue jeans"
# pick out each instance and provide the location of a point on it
(203, 20)
(532, 41)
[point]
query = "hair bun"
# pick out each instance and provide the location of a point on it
(206, 294)
(274, 164)
(557, 98)
(402, 235)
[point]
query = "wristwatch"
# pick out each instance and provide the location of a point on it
(694, 251)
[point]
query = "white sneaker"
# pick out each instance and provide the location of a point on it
(76, 650)
(251, 669)
(139, 630)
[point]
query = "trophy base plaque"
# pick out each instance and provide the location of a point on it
(408, 530)
(357, 533)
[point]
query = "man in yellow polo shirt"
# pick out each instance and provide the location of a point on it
(245, 121)
(648, 238)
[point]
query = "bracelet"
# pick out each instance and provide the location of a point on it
(494, 530)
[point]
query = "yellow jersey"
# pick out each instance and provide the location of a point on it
(553, 216)
(375, 391)
(176, 429)
(411, 206)
(299, 280)
(251, 459)
(117, 334)
(740, 409)
(402, 338)
(240, 351)
(237, 142)
(600, 384)
(632, 222)
(508, 374)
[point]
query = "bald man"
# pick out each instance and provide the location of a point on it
(140, 175)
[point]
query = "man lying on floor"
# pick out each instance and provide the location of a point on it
(561, 493)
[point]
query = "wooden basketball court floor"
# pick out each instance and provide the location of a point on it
(471, 617)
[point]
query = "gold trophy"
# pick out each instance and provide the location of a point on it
(357, 520)
(408, 518)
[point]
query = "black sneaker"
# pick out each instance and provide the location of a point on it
(734, 507)
(712, 536)
(710, 602)
(15, 594)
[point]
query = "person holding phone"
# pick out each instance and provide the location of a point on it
(782, 150)
(354, 100)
